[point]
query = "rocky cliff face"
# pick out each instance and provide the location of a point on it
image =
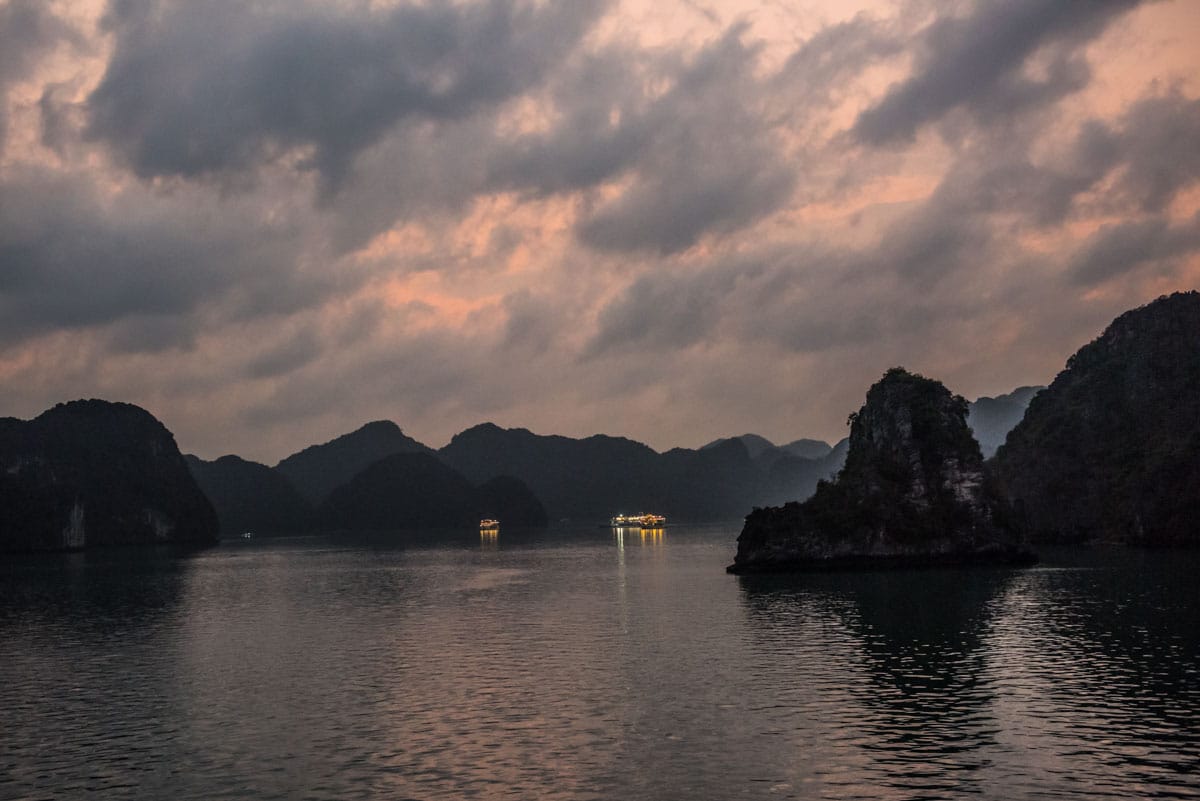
(1110, 450)
(96, 473)
(912, 491)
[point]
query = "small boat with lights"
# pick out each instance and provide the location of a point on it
(488, 524)
(638, 521)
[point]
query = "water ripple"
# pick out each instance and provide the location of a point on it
(581, 668)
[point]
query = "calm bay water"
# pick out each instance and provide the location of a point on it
(578, 665)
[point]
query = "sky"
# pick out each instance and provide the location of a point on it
(269, 222)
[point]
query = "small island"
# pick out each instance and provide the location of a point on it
(912, 493)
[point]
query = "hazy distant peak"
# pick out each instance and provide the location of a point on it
(991, 419)
(808, 448)
(1020, 395)
(755, 444)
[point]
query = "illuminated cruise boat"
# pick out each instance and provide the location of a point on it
(638, 521)
(488, 524)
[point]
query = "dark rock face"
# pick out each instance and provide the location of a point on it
(416, 490)
(96, 473)
(249, 496)
(510, 501)
(316, 470)
(1111, 449)
(911, 492)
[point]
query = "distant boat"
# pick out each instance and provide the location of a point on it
(638, 521)
(488, 524)
(247, 535)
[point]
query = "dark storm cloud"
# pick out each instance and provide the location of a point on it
(421, 370)
(295, 351)
(800, 299)
(671, 212)
(820, 67)
(71, 258)
(981, 62)
(534, 322)
(1119, 249)
(1156, 149)
(665, 310)
(688, 138)
(1149, 155)
(602, 127)
(714, 161)
(28, 28)
(58, 113)
(213, 88)
(141, 332)
(705, 156)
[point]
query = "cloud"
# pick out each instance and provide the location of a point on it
(982, 63)
(207, 88)
(714, 162)
(297, 349)
(666, 310)
(72, 257)
(28, 29)
(271, 221)
(1156, 149)
(1122, 248)
(602, 125)
(825, 65)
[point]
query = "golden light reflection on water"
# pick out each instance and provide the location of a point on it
(652, 537)
(489, 539)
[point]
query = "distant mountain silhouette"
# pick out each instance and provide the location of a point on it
(793, 478)
(91, 472)
(416, 490)
(249, 496)
(992, 418)
(597, 477)
(807, 448)
(765, 452)
(755, 444)
(1111, 449)
(577, 478)
(316, 470)
(712, 483)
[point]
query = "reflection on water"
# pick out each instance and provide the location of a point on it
(1064, 681)
(893, 673)
(634, 535)
(590, 665)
